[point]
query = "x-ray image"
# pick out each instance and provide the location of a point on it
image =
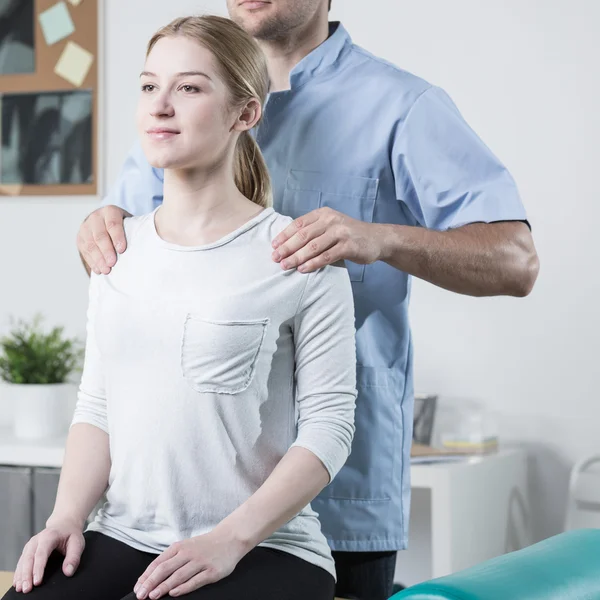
(17, 53)
(46, 138)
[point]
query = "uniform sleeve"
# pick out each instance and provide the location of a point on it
(91, 397)
(139, 188)
(325, 352)
(444, 172)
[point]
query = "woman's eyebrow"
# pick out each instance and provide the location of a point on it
(182, 74)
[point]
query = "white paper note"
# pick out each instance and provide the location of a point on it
(74, 64)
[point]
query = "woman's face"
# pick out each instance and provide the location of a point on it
(184, 120)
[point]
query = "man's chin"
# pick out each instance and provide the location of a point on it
(257, 28)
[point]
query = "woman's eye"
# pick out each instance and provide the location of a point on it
(189, 88)
(147, 88)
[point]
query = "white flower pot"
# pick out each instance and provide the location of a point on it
(6, 407)
(39, 410)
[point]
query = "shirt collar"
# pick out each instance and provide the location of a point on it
(322, 57)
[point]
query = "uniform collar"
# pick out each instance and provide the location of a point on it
(322, 57)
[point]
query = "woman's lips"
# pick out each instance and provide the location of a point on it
(162, 133)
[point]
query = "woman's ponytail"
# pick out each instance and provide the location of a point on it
(250, 171)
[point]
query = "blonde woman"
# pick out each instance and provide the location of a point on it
(218, 392)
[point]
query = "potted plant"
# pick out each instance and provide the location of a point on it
(36, 366)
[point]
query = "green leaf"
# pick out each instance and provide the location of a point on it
(28, 355)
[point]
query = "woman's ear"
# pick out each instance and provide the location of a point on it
(249, 116)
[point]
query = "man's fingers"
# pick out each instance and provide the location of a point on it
(100, 237)
(87, 243)
(114, 226)
(91, 253)
(302, 238)
(329, 257)
(294, 227)
(314, 248)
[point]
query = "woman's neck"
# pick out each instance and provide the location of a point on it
(200, 208)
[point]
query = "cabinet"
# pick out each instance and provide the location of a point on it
(29, 475)
(27, 497)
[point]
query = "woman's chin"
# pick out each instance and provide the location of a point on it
(162, 160)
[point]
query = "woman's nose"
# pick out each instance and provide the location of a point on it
(161, 107)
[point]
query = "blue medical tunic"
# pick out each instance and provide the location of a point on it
(359, 135)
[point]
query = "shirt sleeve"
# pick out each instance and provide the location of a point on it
(139, 188)
(444, 172)
(91, 397)
(325, 353)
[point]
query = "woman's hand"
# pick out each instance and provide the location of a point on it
(64, 536)
(191, 564)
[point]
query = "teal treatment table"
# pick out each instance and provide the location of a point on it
(563, 567)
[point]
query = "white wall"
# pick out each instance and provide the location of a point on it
(524, 75)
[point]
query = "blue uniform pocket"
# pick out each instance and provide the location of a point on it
(376, 453)
(354, 196)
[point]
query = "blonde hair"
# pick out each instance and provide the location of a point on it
(243, 68)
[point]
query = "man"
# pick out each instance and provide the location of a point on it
(377, 167)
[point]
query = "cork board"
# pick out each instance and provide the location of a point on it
(49, 116)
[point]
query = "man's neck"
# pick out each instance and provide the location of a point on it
(284, 54)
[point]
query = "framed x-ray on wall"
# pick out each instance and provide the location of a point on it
(48, 97)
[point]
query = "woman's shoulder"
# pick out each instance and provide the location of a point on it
(278, 222)
(336, 274)
(133, 225)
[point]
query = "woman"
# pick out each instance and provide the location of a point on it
(218, 391)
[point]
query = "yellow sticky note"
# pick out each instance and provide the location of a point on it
(74, 64)
(75, 2)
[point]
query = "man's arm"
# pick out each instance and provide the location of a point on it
(467, 235)
(481, 259)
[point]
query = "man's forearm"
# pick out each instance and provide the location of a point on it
(477, 260)
(294, 482)
(84, 475)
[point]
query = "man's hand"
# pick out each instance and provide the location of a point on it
(323, 237)
(189, 565)
(100, 236)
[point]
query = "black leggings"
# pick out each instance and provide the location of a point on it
(109, 570)
(365, 575)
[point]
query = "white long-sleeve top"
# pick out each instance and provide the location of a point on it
(205, 365)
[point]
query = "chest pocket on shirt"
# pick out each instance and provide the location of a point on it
(354, 196)
(220, 356)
